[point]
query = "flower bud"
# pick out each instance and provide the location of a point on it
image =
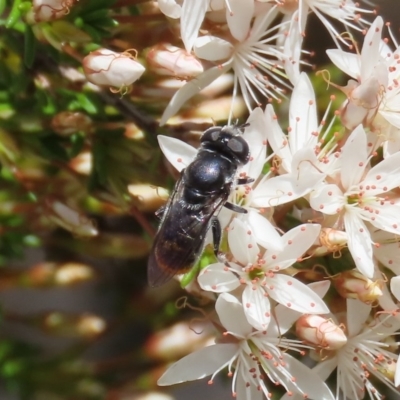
(67, 123)
(148, 198)
(85, 326)
(354, 285)
(108, 68)
(53, 274)
(70, 219)
(331, 241)
(177, 341)
(320, 331)
(165, 59)
(82, 163)
(49, 10)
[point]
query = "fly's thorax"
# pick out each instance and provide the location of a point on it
(209, 173)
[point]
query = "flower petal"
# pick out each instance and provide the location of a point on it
(307, 380)
(284, 188)
(177, 152)
(303, 116)
(354, 158)
(170, 8)
(191, 88)
(292, 50)
(384, 176)
(385, 216)
(265, 234)
(256, 136)
(359, 243)
(285, 317)
(231, 314)
(242, 242)
(395, 287)
(296, 241)
(295, 295)
(347, 62)
(370, 50)
(212, 48)
(257, 307)
(218, 279)
(193, 12)
(357, 315)
(277, 139)
(328, 199)
(199, 364)
(239, 18)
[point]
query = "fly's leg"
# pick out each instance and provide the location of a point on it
(216, 232)
(160, 212)
(235, 208)
(244, 181)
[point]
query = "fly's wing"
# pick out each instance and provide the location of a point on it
(180, 238)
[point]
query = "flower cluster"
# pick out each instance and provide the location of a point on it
(303, 287)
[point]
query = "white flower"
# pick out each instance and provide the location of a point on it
(106, 67)
(347, 12)
(371, 74)
(374, 95)
(301, 163)
(252, 53)
(260, 276)
(238, 15)
(249, 356)
(360, 196)
(367, 352)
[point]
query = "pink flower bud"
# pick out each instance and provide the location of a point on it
(354, 285)
(107, 68)
(166, 59)
(177, 341)
(49, 10)
(67, 123)
(331, 241)
(320, 331)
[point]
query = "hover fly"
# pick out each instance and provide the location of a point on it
(201, 191)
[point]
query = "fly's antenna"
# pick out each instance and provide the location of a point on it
(242, 126)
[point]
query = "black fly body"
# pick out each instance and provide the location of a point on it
(201, 191)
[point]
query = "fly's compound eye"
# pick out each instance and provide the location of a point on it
(211, 134)
(239, 148)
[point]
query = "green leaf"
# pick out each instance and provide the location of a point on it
(95, 15)
(99, 162)
(14, 15)
(30, 47)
